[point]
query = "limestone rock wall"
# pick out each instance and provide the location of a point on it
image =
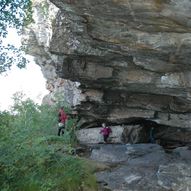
(37, 38)
(131, 57)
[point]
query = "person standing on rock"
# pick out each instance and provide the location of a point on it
(105, 131)
(62, 118)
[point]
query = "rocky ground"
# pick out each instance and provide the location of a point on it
(140, 167)
(123, 166)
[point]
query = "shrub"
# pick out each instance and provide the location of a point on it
(29, 149)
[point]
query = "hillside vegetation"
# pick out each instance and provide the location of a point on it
(33, 157)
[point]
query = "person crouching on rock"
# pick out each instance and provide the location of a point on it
(105, 131)
(62, 117)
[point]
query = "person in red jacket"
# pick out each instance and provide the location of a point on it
(105, 131)
(62, 118)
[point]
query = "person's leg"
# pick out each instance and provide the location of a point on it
(62, 130)
(59, 131)
(105, 138)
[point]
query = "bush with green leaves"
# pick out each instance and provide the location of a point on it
(32, 156)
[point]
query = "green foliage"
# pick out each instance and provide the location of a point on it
(31, 157)
(9, 54)
(13, 14)
(5, 118)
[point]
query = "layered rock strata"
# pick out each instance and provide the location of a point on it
(131, 57)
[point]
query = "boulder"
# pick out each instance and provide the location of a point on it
(141, 167)
(131, 153)
(120, 134)
(92, 135)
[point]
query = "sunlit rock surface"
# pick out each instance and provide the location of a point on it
(93, 136)
(37, 38)
(131, 58)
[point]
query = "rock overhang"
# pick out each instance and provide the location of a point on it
(132, 58)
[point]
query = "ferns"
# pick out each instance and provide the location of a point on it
(29, 157)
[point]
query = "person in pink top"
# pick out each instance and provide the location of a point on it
(62, 118)
(105, 131)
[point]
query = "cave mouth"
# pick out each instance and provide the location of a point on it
(148, 131)
(139, 131)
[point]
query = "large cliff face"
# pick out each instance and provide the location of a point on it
(131, 57)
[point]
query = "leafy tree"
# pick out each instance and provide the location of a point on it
(13, 14)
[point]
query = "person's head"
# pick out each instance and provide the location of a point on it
(103, 124)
